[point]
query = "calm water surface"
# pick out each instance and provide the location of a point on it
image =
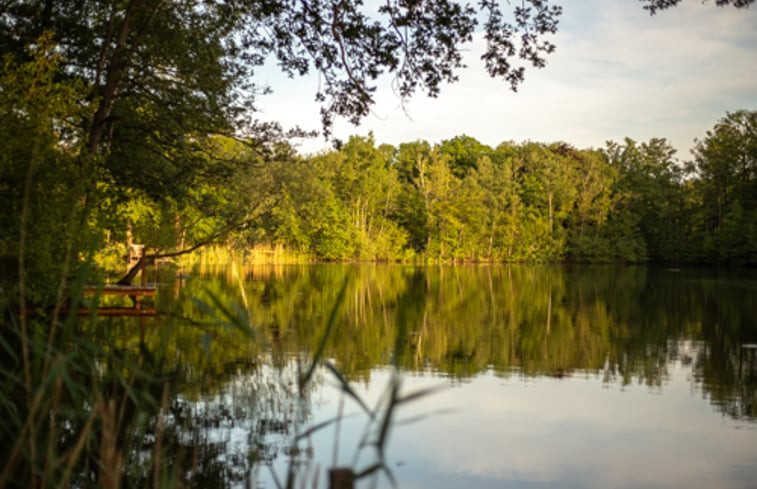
(546, 376)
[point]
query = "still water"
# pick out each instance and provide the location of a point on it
(526, 376)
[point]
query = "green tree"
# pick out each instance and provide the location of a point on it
(594, 180)
(411, 208)
(651, 197)
(498, 187)
(440, 188)
(367, 185)
(549, 194)
(186, 67)
(473, 214)
(464, 152)
(306, 212)
(44, 184)
(726, 166)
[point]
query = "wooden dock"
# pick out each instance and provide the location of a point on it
(135, 293)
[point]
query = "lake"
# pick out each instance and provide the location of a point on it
(502, 376)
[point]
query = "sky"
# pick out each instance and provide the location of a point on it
(617, 72)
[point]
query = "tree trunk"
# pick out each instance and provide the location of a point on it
(113, 78)
(491, 240)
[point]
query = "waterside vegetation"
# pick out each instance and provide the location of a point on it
(177, 188)
(133, 122)
(462, 201)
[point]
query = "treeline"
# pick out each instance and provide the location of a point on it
(455, 201)
(463, 201)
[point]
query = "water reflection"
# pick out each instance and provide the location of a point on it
(624, 322)
(568, 377)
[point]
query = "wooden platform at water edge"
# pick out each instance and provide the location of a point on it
(135, 292)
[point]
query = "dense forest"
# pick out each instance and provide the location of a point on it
(454, 201)
(152, 139)
(462, 201)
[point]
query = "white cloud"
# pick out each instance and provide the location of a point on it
(617, 72)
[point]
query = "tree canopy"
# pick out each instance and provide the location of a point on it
(159, 76)
(188, 66)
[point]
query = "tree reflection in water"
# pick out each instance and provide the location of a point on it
(237, 398)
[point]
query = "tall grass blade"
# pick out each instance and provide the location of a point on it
(368, 471)
(419, 394)
(421, 417)
(326, 334)
(387, 419)
(347, 389)
(274, 477)
(320, 426)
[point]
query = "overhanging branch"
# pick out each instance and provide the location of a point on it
(132, 273)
